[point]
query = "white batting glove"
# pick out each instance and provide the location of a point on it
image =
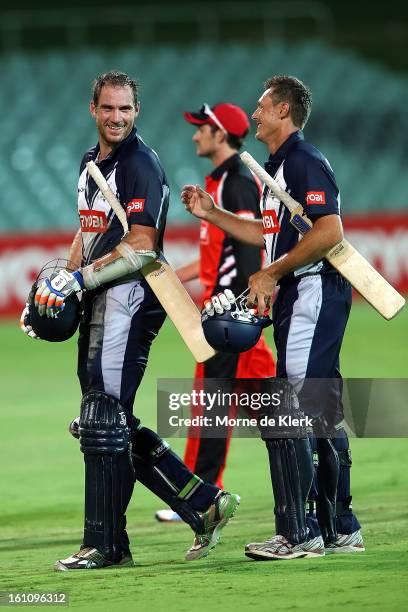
(220, 303)
(25, 326)
(51, 294)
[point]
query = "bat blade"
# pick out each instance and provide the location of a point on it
(343, 256)
(366, 279)
(181, 309)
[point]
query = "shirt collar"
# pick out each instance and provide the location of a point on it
(217, 173)
(281, 153)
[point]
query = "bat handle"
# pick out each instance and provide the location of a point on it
(301, 224)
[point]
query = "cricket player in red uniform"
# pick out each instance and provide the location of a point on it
(224, 263)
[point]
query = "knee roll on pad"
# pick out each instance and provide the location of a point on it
(103, 426)
(284, 413)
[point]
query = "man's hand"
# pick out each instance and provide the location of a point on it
(196, 201)
(219, 303)
(261, 289)
(25, 324)
(51, 294)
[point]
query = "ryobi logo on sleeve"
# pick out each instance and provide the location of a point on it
(135, 206)
(315, 197)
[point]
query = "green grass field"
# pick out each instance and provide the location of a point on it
(42, 481)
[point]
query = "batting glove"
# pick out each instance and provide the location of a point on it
(25, 324)
(219, 303)
(51, 294)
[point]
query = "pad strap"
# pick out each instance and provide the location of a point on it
(345, 457)
(344, 507)
(327, 478)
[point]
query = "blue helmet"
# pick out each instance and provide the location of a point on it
(55, 329)
(234, 331)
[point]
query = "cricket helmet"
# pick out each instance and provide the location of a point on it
(64, 325)
(234, 331)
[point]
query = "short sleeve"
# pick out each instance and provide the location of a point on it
(311, 182)
(144, 190)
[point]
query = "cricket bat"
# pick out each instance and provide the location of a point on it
(343, 256)
(165, 283)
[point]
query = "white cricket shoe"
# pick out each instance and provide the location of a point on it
(278, 548)
(215, 518)
(168, 516)
(91, 558)
(348, 543)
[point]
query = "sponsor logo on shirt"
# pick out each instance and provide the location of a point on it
(270, 222)
(315, 197)
(93, 221)
(135, 206)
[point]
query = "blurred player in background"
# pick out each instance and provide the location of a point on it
(121, 319)
(310, 314)
(224, 263)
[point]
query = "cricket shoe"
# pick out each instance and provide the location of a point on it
(168, 516)
(215, 518)
(348, 543)
(278, 548)
(91, 558)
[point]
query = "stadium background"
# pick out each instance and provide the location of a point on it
(353, 56)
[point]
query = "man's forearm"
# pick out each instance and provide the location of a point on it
(75, 253)
(244, 230)
(314, 245)
(134, 251)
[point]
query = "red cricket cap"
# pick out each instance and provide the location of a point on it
(228, 116)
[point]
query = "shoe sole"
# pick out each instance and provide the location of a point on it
(344, 549)
(264, 556)
(60, 567)
(216, 535)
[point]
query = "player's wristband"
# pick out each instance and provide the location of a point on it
(77, 274)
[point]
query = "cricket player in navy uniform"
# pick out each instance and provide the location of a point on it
(223, 263)
(310, 314)
(121, 319)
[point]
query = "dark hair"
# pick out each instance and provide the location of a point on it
(235, 142)
(116, 79)
(292, 90)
